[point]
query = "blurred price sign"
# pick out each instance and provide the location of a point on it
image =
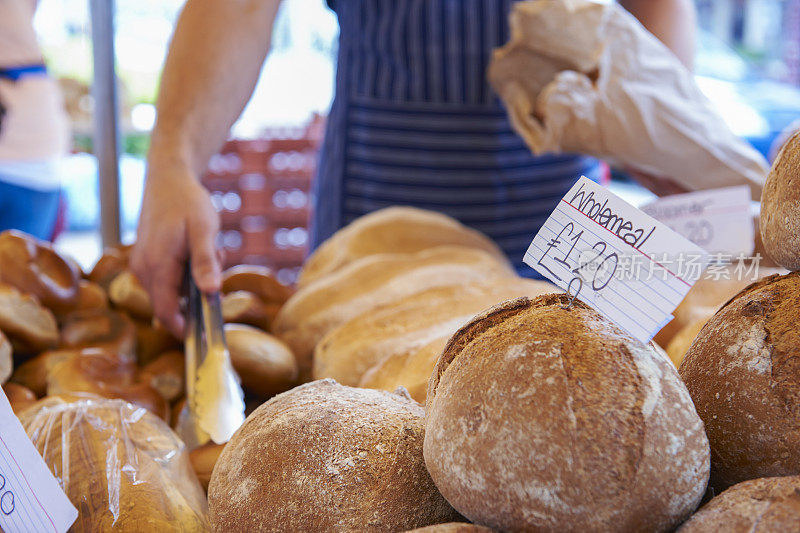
(30, 497)
(624, 263)
(719, 220)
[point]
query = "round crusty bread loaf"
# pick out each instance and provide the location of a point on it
(391, 230)
(452, 527)
(780, 207)
(369, 282)
(544, 417)
(324, 457)
(347, 352)
(743, 375)
(765, 505)
(122, 467)
(411, 370)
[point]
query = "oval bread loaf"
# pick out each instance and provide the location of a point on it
(780, 207)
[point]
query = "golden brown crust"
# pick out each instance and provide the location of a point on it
(257, 280)
(152, 339)
(264, 363)
(349, 351)
(765, 505)
(617, 442)
(6, 358)
(91, 296)
(120, 466)
(33, 373)
(34, 267)
(166, 374)
(104, 329)
(323, 457)
(370, 282)
(680, 343)
(19, 397)
(780, 207)
(243, 307)
(127, 293)
(203, 460)
(23, 319)
(391, 230)
(743, 376)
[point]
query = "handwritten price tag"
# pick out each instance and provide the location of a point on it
(30, 497)
(624, 263)
(719, 220)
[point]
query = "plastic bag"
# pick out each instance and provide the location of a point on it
(120, 465)
(580, 76)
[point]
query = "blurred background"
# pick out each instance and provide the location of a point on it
(748, 64)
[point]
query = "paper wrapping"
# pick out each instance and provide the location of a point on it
(580, 76)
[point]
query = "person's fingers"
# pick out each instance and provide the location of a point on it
(165, 293)
(206, 267)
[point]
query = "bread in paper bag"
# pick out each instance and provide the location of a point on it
(580, 76)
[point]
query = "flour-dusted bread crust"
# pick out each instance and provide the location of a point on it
(780, 207)
(765, 505)
(743, 374)
(324, 457)
(347, 352)
(453, 527)
(391, 230)
(546, 417)
(368, 283)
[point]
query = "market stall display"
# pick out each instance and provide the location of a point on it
(607, 418)
(325, 457)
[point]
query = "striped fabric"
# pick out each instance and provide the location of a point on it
(415, 122)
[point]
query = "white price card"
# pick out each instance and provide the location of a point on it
(30, 497)
(719, 220)
(624, 263)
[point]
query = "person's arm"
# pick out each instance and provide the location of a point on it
(212, 67)
(674, 22)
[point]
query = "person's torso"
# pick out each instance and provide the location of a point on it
(415, 122)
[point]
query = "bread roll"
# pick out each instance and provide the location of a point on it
(166, 374)
(546, 417)
(780, 207)
(347, 352)
(762, 505)
(113, 261)
(104, 329)
(680, 343)
(323, 457)
(411, 370)
(243, 307)
(370, 282)
(19, 397)
(391, 230)
(127, 293)
(6, 359)
(264, 363)
(152, 340)
(104, 375)
(91, 296)
(743, 376)
(24, 320)
(33, 373)
(203, 460)
(257, 280)
(120, 466)
(34, 267)
(452, 527)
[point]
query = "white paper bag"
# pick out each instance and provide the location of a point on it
(581, 76)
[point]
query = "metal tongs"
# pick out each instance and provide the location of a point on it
(214, 407)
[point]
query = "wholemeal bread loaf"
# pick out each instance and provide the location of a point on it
(348, 351)
(452, 527)
(680, 343)
(391, 230)
(324, 457)
(121, 467)
(743, 376)
(411, 369)
(764, 505)
(264, 363)
(542, 416)
(25, 321)
(780, 207)
(369, 282)
(6, 359)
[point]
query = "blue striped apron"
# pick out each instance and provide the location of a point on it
(415, 122)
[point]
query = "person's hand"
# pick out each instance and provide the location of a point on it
(657, 185)
(177, 223)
